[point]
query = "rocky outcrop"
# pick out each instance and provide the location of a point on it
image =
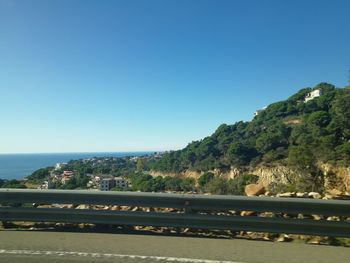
(232, 173)
(275, 174)
(228, 174)
(254, 189)
(336, 178)
(187, 173)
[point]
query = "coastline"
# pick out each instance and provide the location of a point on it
(19, 165)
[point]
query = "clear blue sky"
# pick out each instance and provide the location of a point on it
(84, 76)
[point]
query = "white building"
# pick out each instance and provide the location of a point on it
(60, 165)
(46, 185)
(106, 184)
(256, 113)
(313, 94)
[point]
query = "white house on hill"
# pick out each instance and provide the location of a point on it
(257, 112)
(313, 94)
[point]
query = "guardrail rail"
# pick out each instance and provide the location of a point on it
(194, 211)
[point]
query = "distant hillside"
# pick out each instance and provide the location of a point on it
(298, 132)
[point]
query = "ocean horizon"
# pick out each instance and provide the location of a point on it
(20, 165)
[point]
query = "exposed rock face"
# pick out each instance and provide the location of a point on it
(254, 189)
(276, 174)
(229, 174)
(344, 175)
(187, 173)
(162, 174)
(335, 177)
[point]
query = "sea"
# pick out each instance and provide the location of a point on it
(18, 166)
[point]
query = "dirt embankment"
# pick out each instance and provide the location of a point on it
(336, 178)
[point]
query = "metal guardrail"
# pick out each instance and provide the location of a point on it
(198, 211)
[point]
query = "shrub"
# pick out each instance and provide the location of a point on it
(205, 178)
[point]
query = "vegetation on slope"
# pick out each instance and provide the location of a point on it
(290, 132)
(11, 184)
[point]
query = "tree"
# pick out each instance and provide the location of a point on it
(140, 164)
(343, 151)
(318, 118)
(341, 112)
(206, 148)
(205, 178)
(303, 160)
(240, 154)
(217, 186)
(173, 183)
(158, 184)
(188, 184)
(12, 184)
(71, 184)
(40, 174)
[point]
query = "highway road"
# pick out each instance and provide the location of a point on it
(38, 246)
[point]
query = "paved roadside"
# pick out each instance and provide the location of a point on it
(35, 246)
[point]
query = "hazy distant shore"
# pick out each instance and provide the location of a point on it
(18, 166)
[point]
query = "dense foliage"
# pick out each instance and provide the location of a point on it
(147, 183)
(40, 174)
(206, 183)
(102, 165)
(291, 132)
(11, 184)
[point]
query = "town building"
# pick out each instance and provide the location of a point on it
(65, 179)
(106, 184)
(46, 185)
(68, 173)
(120, 182)
(59, 166)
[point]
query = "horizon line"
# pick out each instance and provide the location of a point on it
(139, 151)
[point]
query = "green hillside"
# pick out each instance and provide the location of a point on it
(291, 132)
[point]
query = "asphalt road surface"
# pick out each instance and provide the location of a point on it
(36, 246)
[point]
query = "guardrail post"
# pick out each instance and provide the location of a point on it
(188, 210)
